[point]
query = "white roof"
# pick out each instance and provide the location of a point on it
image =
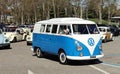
(67, 21)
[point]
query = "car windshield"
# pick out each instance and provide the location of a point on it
(108, 30)
(22, 26)
(102, 29)
(9, 29)
(85, 29)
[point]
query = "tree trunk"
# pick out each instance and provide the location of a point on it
(53, 2)
(65, 11)
(100, 11)
(100, 16)
(109, 20)
(81, 11)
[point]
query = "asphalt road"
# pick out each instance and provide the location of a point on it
(20, 60)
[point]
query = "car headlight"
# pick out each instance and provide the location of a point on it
(29, 38)
(6, 40)
(78, 47)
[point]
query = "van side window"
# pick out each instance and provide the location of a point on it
(54, 29)
(42, 28)
(48, 28)
(64, 29)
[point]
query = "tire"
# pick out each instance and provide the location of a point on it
(28, 43)
(105, 40)
(15, 39)
(112, 39)
(8, 47)
(62, 57)
(39, 53)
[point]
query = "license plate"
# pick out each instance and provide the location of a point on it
(92, 56)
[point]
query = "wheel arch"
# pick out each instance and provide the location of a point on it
(35, 48)
(61, 50)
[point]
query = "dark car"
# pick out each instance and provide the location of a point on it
(114, 30)
(2, 26)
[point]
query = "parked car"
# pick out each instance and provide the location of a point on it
(106, 33)
(29, 36)
(29, 39)
(114, 30)
(4, 41)
(26, 30)
(14, 35)
(2, 26)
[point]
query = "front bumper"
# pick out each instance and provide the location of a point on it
(29, 42)
(84, 57)
(5, 45)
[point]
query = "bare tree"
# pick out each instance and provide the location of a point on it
(111, 8)
(31, 11)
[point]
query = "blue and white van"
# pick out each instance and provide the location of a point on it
(81, 42)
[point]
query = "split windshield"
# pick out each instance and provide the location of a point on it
(85, 29)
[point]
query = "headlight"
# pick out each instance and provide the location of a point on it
(78, 47)
(7, 40)
(29, 38)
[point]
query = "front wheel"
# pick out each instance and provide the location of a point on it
(39, 53)
(105, 40)
(15, 39)
(62, 57)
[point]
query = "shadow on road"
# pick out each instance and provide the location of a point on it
(1, 48)
(72, 62)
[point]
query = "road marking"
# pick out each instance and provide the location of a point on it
(30, 72)
(112, 65)
(99, 69)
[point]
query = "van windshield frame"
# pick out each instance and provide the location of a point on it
(85, 29)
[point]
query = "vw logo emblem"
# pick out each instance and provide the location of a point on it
(91, 41)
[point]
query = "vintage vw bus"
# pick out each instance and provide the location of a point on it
(81, 42)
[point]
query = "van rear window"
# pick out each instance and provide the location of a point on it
(54, 29)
